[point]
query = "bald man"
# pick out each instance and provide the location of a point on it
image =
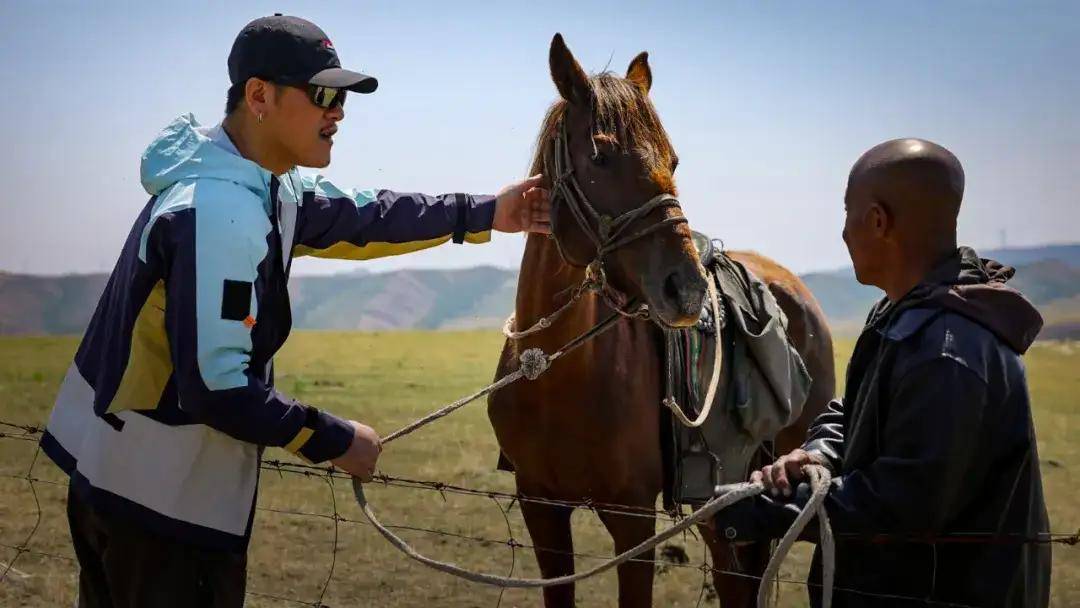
(933, 443)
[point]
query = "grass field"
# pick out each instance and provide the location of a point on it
(387, 380)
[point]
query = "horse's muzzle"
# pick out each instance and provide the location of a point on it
(676, 301)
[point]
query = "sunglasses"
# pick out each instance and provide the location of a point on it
(325, 97)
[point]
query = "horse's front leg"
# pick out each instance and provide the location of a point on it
(635, 576)
(549, 527)
(737, 569)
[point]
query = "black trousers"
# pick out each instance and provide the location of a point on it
(125, 566)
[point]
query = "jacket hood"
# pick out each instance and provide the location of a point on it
(975, 288)
(183, 151)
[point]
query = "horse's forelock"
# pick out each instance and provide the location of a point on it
(543, 146)
(622, 112)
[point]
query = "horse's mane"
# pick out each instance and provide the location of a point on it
(622, 113)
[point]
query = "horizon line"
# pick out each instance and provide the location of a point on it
(361, 270)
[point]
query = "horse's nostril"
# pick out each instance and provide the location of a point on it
(682, 291)
(673, 289)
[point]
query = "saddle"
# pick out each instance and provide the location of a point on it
(763, 383)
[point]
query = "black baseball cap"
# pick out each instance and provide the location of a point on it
(291, 50)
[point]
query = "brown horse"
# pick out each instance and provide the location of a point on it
(588, 429)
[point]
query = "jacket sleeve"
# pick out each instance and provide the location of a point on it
(825, 437)
(365, 224)
(211, 257)
(927, 445)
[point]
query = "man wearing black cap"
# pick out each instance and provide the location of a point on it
(165, 411)
(288, 93)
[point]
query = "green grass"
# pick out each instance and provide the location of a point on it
(388, 379)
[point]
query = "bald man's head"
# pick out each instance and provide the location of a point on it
(902, 200)
(910, 174)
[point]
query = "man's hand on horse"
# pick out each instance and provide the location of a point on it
(786, 473)
(524, 206)
(359, 460)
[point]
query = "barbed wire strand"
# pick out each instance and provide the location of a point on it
(704, 575)
(509, 541)
(334, 548)
(24, 432)
(21, 549)
(1063, 538)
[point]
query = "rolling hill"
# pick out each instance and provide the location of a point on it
(483, 296)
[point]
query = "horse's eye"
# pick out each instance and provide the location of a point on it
(599, 159)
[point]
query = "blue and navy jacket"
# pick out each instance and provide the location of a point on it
(170, 399)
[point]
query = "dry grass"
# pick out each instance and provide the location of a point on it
(388, 379)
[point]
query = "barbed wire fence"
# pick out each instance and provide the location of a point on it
(670, 557)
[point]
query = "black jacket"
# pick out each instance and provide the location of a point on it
(932, 445)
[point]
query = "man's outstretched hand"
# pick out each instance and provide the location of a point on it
(523, 206)
(359, 460)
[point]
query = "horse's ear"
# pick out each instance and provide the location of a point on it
(569, 78)
(639, 72)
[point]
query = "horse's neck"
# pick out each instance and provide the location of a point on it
(545, 283)
(625, 359)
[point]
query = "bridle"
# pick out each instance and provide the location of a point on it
(606, 233)
(609, 234)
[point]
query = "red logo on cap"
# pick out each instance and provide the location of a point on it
(328, 44)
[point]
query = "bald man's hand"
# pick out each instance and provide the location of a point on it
(782, 476)
(524, 206)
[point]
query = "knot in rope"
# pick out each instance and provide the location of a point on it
(533, 363)
(595, 277)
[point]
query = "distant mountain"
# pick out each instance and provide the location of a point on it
(842, 298)
(421, 299)
(484, 296)
(1021, 256)
(48, 305)
(1049, 276)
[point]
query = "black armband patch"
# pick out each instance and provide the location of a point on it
(461, 204)
(235, 300)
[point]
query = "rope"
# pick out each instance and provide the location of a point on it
(718, 361)
(443, 411)
(819, 481)
(704, 568)
(819, 484)
(736, 493)
(545, 322)
(542, 324)
(595, 281)
(533, 362)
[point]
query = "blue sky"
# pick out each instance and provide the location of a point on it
(768, 105)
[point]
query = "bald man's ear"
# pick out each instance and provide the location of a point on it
(880, 220)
